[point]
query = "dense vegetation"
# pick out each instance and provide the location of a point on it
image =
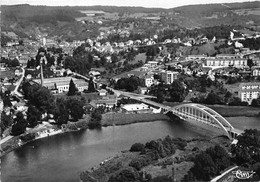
(207, 164)
(129, 84)
(174, 92)
(40, 102)
(149, 153)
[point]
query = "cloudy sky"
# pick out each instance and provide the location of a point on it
(144, 3)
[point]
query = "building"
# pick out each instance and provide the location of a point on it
(249, 91)
(196, 57)
(102, 92)
(169, 76)
(226, 61)
(256, 72)
(149, 80)
(142, 90)
(152, 64)
(227, 56)
(108, 102)
(135, 107)
(61, 84)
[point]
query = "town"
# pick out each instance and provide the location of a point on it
(116, 77)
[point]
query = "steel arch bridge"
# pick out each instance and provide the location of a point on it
(205, 115)
(190, 111)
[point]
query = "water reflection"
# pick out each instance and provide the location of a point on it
(63, 157)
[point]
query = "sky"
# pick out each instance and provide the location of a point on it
(143, 3)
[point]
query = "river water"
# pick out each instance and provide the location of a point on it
(63, 157)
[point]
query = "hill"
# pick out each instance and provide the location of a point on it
(72, 23)
(245, 14)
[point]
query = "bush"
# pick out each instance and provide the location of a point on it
(181, 144)
(137, 147)
(162, 179)
(28, 137)
(256, 102)
(153, 145)
(96, 117)
(140, 162)
(236, 101)
(125, 175)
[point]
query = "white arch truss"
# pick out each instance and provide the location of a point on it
(221, 121)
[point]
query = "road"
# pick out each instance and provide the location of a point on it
(15, 91)
(5, 139)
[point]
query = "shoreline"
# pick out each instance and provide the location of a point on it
(111, 119)
(178, 158)
(15, 143)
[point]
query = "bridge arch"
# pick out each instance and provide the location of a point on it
(203, 114)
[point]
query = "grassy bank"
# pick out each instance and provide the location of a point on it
(229, 111)
(233, 111)
(157, 158)
(110, 119)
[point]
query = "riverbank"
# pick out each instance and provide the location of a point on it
(168, 157)
(109, 119)
(229, 111)
(234, 111)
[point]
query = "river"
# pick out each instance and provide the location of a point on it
(63, 157)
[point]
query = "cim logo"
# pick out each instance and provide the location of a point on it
(243, 174)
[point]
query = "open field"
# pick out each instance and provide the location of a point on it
(232, 111)
(123, 119)
(7, 73)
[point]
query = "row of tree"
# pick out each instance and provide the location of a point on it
(174, 92)
(10, 62)
(129, 84)
(245, 153)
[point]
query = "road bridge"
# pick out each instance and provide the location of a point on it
(190, 111)
(186, 111)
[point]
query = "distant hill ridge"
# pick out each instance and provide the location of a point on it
(61, 20)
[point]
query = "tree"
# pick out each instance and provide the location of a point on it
(75, 108)
(6, 101)
(6, 121)
(72, 88)
(220, 157)
(20, 124)
(255, 102)
(129, 84)
(42, 98)
(250, 63)
(247, 149)
(127, 175)
(137, 147)
(13, 63)
(204, 167)
(61, 112)
(33, 116)
(177, 91)
(91, 86)
(236, 101)
(95, 120)
(213, 98)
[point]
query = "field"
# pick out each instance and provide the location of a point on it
(233, 111)
(255, 11)
(123, 119)
(7, 73)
